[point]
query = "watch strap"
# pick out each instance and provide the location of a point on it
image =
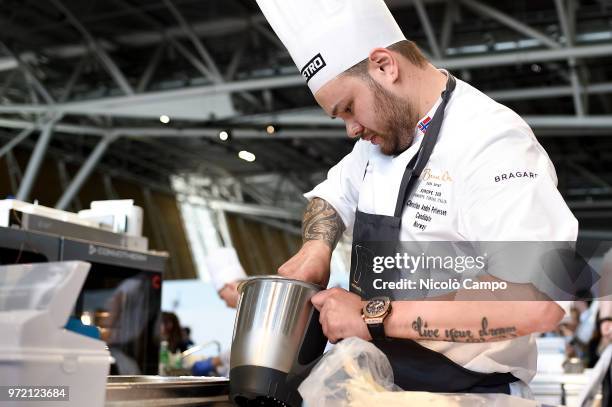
(377, 331)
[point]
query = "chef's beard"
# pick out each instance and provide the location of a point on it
(399, 118)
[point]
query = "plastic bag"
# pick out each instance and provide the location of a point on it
(355, 373)
(352, 365)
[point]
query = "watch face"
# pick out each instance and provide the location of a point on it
(375, 307)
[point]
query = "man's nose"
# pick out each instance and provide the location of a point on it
(354, 129)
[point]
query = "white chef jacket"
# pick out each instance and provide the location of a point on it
(488, 179)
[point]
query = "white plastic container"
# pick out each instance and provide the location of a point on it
(35, 349)
(120, 215)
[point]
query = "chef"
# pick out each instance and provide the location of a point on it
(226, 273)
(420, 133)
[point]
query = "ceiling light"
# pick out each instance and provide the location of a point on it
(223, 135)
(247, 156)
(270, 129)
(164, 119)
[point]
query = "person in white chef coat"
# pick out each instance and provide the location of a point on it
(226, 273)
(419, 132)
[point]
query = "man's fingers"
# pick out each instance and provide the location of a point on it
(330, 323)
(327, 325)
(323, 322)
(319, 299)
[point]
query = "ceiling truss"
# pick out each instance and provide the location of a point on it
(549, 60)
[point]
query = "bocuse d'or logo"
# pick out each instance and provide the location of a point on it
(429, 175)
(312, 67)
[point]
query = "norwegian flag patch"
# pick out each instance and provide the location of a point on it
(424, 124)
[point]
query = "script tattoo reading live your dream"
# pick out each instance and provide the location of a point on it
(485, 334)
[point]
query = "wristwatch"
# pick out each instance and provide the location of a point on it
(374, 313)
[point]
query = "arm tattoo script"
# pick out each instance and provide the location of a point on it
(485, 334)
(322, 222)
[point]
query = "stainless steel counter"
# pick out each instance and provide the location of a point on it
(158, 391)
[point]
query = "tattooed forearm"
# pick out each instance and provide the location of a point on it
(423, 330)
(484, 334)
(496, 333)
(322, 222)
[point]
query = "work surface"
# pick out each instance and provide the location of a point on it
(157, 391)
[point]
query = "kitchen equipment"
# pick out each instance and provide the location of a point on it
(143, 391)
(558, 388)
(121, 295)
(277, 340)
(35, 349)
(120, 215)
(124, 302)
(38, 218)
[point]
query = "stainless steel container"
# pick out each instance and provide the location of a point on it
(277, 339)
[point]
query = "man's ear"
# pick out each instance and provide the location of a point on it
(383, 65)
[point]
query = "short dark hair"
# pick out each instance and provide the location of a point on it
(406, 48)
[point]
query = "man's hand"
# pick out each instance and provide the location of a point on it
(310, 264)
(340, 314)
(229, 294)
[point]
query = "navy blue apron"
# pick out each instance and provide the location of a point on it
(416, 367)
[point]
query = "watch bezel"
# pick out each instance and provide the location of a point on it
(387, 308)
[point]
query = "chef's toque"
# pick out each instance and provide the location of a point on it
(326, 37)
(224, 267)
